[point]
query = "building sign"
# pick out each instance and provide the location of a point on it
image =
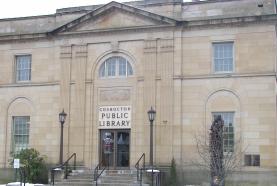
(16, 163)
(115, 117)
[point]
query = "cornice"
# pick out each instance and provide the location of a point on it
(216, 76)
(137, 28)
(232, 20)
(29, 84)
(185, 24)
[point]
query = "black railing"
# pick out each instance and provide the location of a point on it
(96, 174)
(139, 168)
(22, 172)
(65, 167)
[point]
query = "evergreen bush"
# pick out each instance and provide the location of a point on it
(34, 165)
(173, 180)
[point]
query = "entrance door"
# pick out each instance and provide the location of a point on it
(115, 147)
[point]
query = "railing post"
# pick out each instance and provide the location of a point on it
(53, 177)
(24, 174)
(140, 177)
(74, 161)
(20, 176)
(66, 167)
(143, 161)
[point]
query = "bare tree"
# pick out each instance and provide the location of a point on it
(213, 158)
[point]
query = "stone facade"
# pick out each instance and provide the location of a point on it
(169, 45)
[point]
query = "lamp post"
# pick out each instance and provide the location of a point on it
(62, 117)
(151, 117)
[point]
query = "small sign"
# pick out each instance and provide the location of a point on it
(114, 117)
(16, 163)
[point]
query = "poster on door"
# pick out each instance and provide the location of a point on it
(114, 117)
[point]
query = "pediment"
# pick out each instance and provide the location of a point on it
(115, 15)
(116, 18)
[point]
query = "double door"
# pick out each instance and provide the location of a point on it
(115, 148)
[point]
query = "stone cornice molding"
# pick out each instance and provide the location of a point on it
(232, 21)
(31, 84)
(141, 78)
(237, 21)
(213, 76)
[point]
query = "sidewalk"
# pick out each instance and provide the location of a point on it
(18, 184)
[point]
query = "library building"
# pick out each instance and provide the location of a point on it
(119, 81)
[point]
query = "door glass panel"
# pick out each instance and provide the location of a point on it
(122, 143)
(107, 140)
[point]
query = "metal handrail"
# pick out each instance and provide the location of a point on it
(63, 166)
(139, 170)
(22, 173)
(97, 168)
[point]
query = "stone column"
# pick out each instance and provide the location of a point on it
(65, 80)
(78, 127)
(149, 92)
(177, 98)
(165, 125)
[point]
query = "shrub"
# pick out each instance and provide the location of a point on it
(173, 174)
(34, 165)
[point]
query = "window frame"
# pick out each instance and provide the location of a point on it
(117, 68)
(252, 160)
(213, 57)
(233, 125)
(14, 134)
(16, 77)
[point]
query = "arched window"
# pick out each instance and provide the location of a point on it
(115, 66)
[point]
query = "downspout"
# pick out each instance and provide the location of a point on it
(275, 3)
(276, 79)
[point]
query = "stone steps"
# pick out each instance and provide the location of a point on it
(84, 177)
(118, 178)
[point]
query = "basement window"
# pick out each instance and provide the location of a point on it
(252, 160)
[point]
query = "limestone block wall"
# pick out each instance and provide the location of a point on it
(252, 100)
(249, 91)
(44, 59)
(41, 103)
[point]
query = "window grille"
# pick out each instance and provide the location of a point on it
(228, 130)
(23, 68)
(21, 125)
(252, 160)
(115, 67)
(223, 57)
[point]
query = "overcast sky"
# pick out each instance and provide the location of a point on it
(23, 8)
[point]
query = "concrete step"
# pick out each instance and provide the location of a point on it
(108, 177)
(84, 177)
(119, 184)
(74, 184)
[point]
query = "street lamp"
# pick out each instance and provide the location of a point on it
(62, 117)
(151, 117)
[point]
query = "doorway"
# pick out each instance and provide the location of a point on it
(115, 148)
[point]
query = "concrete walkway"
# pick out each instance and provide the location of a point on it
(18, 184)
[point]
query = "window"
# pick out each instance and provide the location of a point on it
(23, 68)
(228, 130)
(223, 57)
(252, 160)
(115, 66)
(21, 126)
